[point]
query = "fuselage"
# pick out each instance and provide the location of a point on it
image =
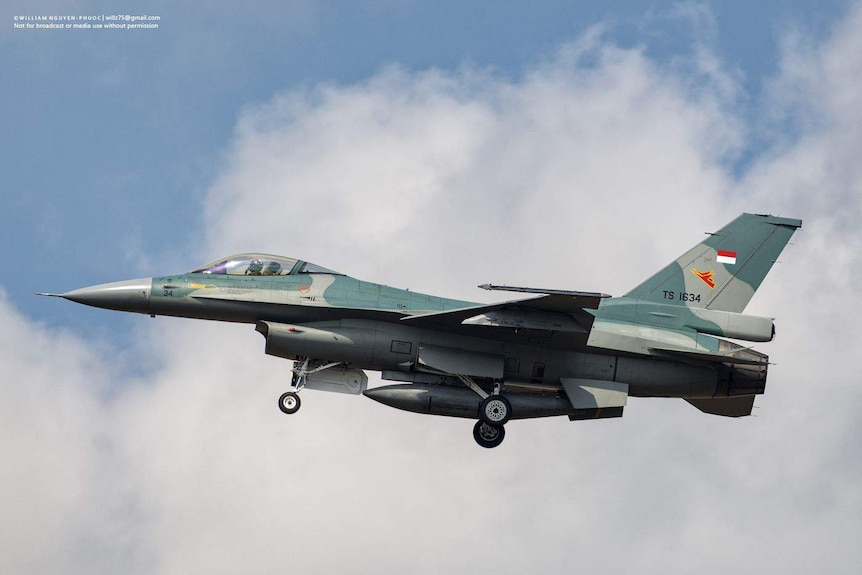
(556, 352)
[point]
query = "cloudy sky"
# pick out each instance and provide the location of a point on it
(431, 146)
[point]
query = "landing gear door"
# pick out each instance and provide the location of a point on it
(338, 380)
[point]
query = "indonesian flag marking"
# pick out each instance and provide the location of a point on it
(725, 257)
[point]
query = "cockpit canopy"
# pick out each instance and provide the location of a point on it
(261, 265)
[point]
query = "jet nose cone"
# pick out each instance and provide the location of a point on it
(129, 295)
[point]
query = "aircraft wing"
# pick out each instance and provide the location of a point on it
(560, 311)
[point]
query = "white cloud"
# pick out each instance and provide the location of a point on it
(458, 171)
(591, 171)
(56, 445)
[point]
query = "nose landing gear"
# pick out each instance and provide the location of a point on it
(289, 402)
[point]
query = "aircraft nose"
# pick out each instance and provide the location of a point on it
(129, 295)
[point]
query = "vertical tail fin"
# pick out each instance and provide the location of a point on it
(724, 271)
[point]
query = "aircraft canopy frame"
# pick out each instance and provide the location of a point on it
(255, 264)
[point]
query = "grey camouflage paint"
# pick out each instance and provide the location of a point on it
(661, 339)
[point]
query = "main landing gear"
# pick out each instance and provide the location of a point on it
(488, 435)
(494, 411)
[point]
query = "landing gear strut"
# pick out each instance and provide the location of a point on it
(494, 411)
(289, 402)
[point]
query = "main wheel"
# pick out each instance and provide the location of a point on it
(495, 410)
(488, 435)
(289, 402)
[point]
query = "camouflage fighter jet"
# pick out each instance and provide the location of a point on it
(556, 352)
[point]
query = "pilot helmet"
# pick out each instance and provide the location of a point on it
(255, 266)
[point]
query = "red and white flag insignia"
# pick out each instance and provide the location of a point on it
(726, 257)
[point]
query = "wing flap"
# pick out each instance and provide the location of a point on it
(517, 318)
(554, 312)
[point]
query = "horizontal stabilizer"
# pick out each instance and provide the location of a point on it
(738, 406)
(673, 344)
(710, 357)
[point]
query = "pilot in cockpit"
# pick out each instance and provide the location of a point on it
(272, 269)
(254, 268)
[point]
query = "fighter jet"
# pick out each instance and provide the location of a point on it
(548, 353)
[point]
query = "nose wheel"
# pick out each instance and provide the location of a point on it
(289, 403)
